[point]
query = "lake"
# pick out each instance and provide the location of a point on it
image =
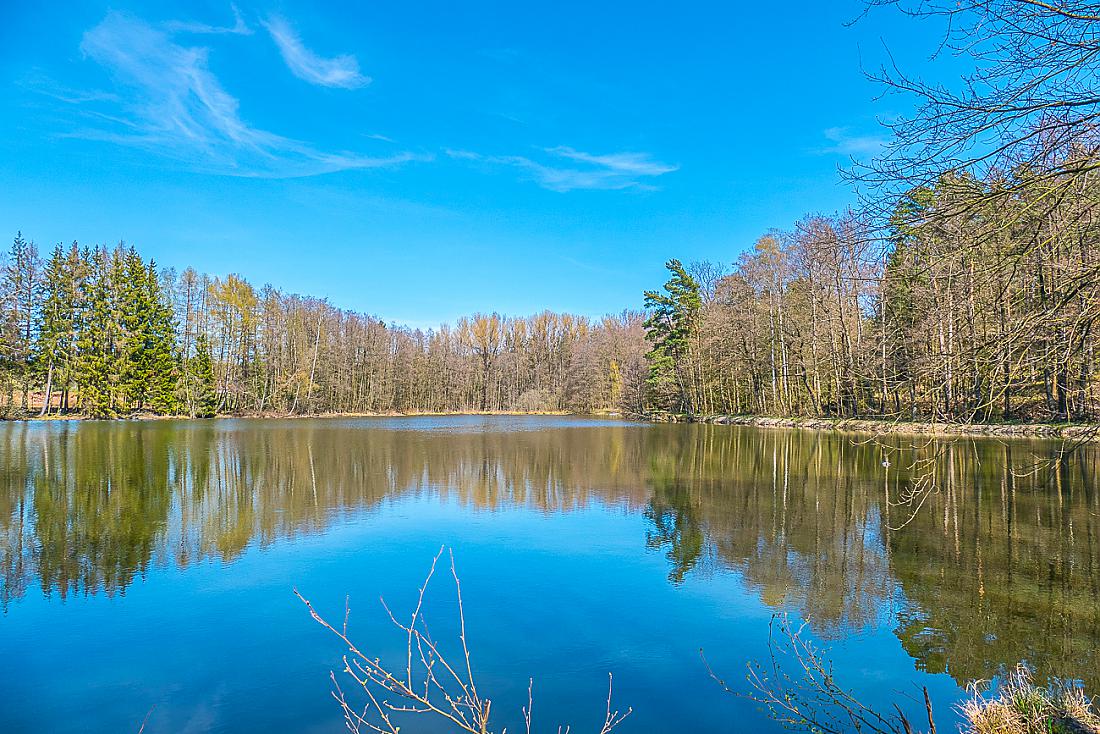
(149, 567)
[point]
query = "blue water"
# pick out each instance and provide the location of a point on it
(150, 569)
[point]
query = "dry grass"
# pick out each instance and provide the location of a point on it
(1019, 706)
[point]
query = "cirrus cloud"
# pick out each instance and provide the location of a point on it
(567, 169)
(844, 142)
(239, 27)
(176, 106)
(340, 71)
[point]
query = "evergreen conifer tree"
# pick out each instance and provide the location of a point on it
(78, 265)
(56, 324)
(96, 364)
(670, 328)
(135, 312)
(21, 289)
(159, 358)
(203, 389)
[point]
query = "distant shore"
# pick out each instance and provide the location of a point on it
(869, 426)
(300, 416)
(881, 426)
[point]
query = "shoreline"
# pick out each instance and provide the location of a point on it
(308, 416)
(879, 426)
(1087, 432)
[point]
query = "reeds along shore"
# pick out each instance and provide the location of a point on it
(1020, 706)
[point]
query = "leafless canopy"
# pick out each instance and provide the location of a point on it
(1030, 100)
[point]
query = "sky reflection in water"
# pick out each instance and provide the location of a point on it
(151, 564)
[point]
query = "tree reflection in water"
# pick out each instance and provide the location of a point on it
(1001, 564)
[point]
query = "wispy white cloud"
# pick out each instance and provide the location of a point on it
(566, 169)
(174, 105)
(40, 83)
(340, 71)
(843, 142)
(239, 27)
(630, 164)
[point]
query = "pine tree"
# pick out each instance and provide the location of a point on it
(78, 266)
(670, 328)
(159, 357)
(57, 323)
(136, 312)
(96, 364)
(203, 392)
(21, 289)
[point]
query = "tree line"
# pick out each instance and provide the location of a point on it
(968, 308)
(964, 286)
(92, 331)
(102, 332)
(969, 305)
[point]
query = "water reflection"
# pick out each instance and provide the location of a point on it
(1001, 564)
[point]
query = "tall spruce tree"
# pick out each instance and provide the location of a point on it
(78, 267)
(202, 392)
(136, 311)
(57, 323)
(21, 289)
(147, 338)
(96, 368)
(161, 366)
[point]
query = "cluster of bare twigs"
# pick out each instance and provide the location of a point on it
(797, 688)
(928, 468)
(430, 683)
(1032, 91)
(920, 462)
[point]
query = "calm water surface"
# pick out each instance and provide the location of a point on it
(151, 565)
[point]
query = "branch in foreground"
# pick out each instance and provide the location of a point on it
(430, 683)
(797, 688)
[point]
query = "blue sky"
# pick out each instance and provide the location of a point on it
(420, 161)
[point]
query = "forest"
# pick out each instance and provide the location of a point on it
(962, 285)
(981, 315)
(946, 324)
(102, 332)
(977, 316)
(959, 314)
